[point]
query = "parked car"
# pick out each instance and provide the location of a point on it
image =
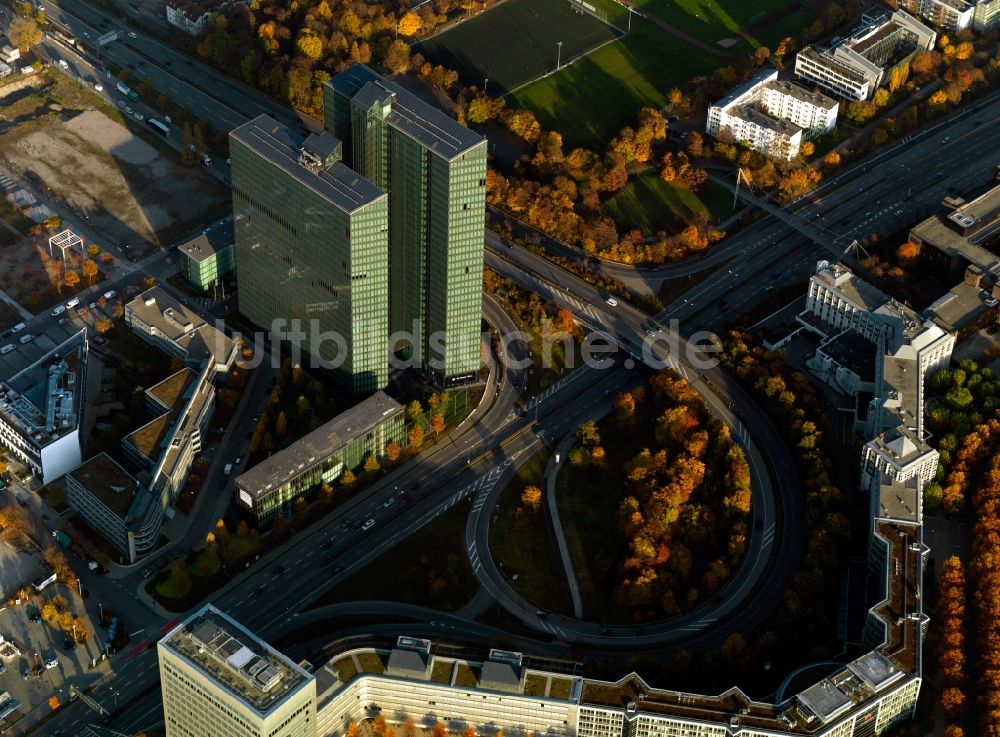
(110, 294)
(53, 663)
(98, 87)
(131, 34)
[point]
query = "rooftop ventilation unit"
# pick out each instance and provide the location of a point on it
(961, 219)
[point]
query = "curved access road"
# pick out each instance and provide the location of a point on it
(761, 580)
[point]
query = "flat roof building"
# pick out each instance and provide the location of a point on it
(312, 250)
(208, 257)
(434, 170)
(102, 492)
(163, 321)
(272, 486)
(218, 678)
(854, 67)
(771, 116)
(42, 408)
(948, 15)
(962, 233)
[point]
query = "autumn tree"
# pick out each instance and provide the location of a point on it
(409, 25)
(371, 464)
(392, 451)
(90, 270)
(54, 702)
(416, 436)
(71, 279)
(437, 424)
(347, 478)
(24, 32)
(531, 498)
(103, 324)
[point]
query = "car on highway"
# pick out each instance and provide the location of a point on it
(338, 569)
(132, 34)
(369, 523)
(128, 110)
(86, 35)
(388, 503)
(139, 116)
(612, 301)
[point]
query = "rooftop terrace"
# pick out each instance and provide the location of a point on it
(235, 659)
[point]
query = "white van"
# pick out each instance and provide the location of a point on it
(73, 302)
(18, 328)
(58, 310)
(26, 338)
(7, 349)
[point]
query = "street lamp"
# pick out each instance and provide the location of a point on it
(558, 55)
(486, 81)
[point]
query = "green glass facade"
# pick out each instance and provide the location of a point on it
(434, 170)
(208, 272)
(312, 246)
(266, 500)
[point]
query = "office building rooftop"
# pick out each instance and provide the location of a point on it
(335, 182)
(108, 482)
(970, 230)
(235, 659)
(853, 352)
(318, 444)
(176, 323)
(900, 500)
(43, 399)
(963, 304)
(214, 239)
(851, 287)
(409, 114)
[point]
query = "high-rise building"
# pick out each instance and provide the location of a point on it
(218, 678)
(434, 170)
(312, 249)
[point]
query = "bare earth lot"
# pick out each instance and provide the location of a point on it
(132, 192)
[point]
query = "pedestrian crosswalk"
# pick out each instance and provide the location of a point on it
(577, 305)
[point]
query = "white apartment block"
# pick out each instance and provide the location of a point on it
(986, 16)
(897, 455)
(190, 16)
(815, 113)
(948, 15)
(854, 67)
(772, 117)
(42, 406)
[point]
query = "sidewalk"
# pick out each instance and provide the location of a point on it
(551, 472)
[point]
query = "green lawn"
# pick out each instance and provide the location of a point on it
(514, 42)
(522, 544)
(714, 20)
(592, 99)
(652, 205)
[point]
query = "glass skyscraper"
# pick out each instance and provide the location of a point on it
(312, 249)
(434, 170)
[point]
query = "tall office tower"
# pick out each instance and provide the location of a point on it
(217, 678)
(312, 248)
(434, 170)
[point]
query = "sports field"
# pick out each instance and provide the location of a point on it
(516, 42)
(591, 100)
(714, 20)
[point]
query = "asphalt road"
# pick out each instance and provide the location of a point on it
(771, 557)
